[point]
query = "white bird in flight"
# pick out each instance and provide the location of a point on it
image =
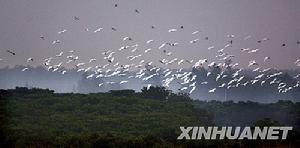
(195, 32)
(172, 30)
(30, 59)
(98, 30)
(212, 90)
(24, 69)
(63, 31)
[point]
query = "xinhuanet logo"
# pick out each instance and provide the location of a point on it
(251, 133)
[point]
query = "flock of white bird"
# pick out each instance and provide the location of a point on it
(146, 70)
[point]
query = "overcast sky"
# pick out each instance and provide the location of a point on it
(22, 22)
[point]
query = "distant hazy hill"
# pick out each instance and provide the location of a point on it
(73, 81)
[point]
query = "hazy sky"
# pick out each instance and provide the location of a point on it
(23, 21)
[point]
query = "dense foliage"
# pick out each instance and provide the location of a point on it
(42, 118)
